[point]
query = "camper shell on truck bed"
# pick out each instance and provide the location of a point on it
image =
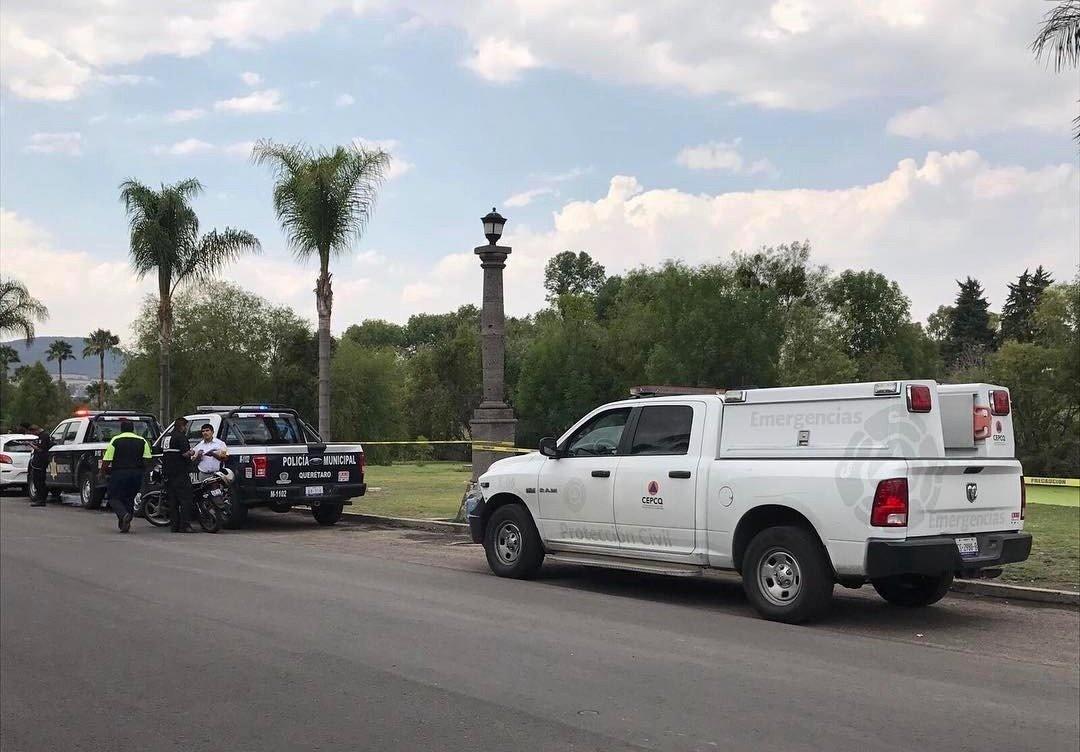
(900, 483)
(279, 461)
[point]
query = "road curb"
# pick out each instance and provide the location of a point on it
(974, 587)
(1017, 592)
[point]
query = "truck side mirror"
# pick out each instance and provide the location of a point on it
(549, 448)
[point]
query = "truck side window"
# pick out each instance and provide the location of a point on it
(57, 434)
(600, 436)
(663, 429)
(72, 432)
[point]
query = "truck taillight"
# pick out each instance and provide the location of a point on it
(260, 463)
(890, 503)
(918, 398)
(999, 402)
(363, 463)
(5, 459)
(1023, 497)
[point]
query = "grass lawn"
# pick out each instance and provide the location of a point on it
(1064, 496)
(1055, 550)
(433, 491)
(429, 491)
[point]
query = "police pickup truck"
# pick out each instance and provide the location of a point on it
(902, 484)
(279, 461)
(78, 444)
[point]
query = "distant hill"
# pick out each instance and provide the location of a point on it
(80, 366)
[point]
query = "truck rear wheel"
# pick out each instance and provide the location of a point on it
(327, 513)
(913, 590)
(512, 543)
(786, 575)
(89, 495)
(234, 514)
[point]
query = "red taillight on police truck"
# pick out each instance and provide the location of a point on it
(260, 463)
(918, 398)
(999, 402)
(890, 503)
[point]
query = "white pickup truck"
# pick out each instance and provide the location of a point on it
(902, 484)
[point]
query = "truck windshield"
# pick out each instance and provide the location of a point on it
(264, 429)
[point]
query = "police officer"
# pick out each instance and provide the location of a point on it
(176, 465)
(39, 460)
(124, 463)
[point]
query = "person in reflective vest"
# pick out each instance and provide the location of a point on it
(124, 463)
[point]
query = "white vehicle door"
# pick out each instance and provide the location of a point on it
(575, 491)
(655, 485)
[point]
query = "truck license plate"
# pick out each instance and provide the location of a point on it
(313, 490)
(968, 546)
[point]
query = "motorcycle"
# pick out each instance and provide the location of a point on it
(212, 498)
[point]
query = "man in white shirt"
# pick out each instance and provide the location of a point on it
(211, 452)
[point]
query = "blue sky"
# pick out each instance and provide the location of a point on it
(636, 131)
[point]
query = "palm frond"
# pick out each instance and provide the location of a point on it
(19, 311)
(214, 252)
(1059, 37)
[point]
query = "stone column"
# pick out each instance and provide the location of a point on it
(493, 420)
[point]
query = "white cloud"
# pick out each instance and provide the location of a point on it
(924, 225)
(724, 156)
(267, 100)
(398, 164)
(500, 60)
(27, 249)
(184, 116)
(785, 53)
(526, 197)
(251, 79)
(239, 149)
(185, 148)
(69, 144)
(344, 100)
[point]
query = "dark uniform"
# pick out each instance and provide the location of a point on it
(39, 461)
(126, 454)
(177, 469)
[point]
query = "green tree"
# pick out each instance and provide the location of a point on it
(1059, 41)
(938, 324)
(323, 200)
(570, 273)
(443, 373)
(19, 311)
(38, 399)
(8, 355)
(1018, 313)
(374, 333)
(60, 350)
(369, 388)
(969, 328)
(871, 310)
(93, 393)
(100, 343)
(813, 350)
(785, 270)
(165, 242)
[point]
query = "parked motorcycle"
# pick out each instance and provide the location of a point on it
(211, 497)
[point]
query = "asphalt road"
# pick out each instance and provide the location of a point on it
(288, 636)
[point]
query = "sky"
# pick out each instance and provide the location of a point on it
(918, 138)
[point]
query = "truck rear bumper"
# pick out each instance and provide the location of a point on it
(939, 553)
(297, 494)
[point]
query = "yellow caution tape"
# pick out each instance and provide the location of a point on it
(1069, 482)
(481, 446)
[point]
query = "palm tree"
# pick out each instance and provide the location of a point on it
(323, 199)
(1059, 39)
(18, 310)
(8, 355)
(165, 241)
(99, 343)
(60, 350)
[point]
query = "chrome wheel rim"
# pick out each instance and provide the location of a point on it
(86, 490)
(779, 577)
(508, 543)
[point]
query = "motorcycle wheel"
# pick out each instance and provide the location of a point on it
(154, 508)
(209, 519)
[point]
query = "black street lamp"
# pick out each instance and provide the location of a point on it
(493, 226)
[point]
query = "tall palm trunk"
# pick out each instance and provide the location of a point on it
(324, 302)
(101, 381)
(165, 321)
(60, 370)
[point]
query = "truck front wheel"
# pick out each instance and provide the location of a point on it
(913, 590)
(512, 543)
(786, 575)
(90, 496)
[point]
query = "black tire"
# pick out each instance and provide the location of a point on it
(787, 576)
(512, 543)
(155, 508)
(31, 488)
(89, 496)
(234, 514)
(208, 516)
(327, 513)
(913, 590)
(56, 495)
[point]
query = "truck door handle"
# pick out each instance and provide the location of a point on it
(679, 474)
(601, 473)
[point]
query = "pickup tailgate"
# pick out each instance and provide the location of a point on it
(953, 497)
(302, 472)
